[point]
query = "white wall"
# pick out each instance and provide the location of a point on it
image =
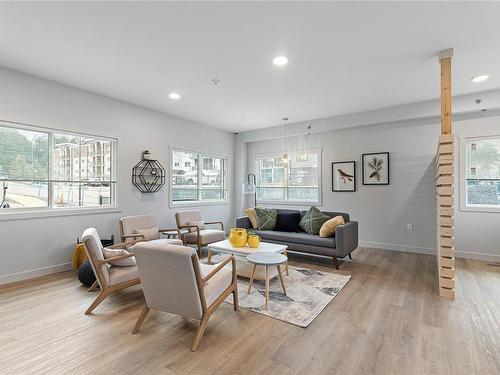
(477, 234)
(31, 247)
(382, 211)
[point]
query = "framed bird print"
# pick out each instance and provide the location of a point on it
(344, 176)
(375, 168)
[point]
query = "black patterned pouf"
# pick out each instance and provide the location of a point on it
(86, 274)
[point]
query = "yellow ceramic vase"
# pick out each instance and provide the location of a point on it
(253, 241)
(238, 237)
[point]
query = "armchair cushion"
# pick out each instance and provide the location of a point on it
(110, 253)
(200, 224)
(160, 241)
(119, 275)
(183, 217)
(149, 233)
(218, 283)
(206, 236)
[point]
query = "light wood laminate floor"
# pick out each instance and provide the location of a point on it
(387, 320)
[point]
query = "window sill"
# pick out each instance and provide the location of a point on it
(492, 209)
(289, 203)
(56, 212)
(198, 203)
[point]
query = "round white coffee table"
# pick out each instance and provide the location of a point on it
(267, 260)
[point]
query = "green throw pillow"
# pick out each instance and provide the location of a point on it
(313, 220)
(266, 218)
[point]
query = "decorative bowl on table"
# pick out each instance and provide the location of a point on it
(238, 237)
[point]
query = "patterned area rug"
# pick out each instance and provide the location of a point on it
(308, 293)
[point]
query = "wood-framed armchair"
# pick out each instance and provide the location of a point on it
(197, 233)
(174, 281)
(145, 227)
(109, 279)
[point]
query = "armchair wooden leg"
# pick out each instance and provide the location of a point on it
(140, 319)
(335, 262)
(350, 257)
(236, 303)
(97, 301)
(200, 332)
(93, 286)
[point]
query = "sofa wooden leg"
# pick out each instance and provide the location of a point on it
(335, 262)
(350, 257)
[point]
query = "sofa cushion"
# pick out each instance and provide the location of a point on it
(288, 222)
(313, 220)
(328, 228)
(300, 238)
(266, 218)
(252, 217)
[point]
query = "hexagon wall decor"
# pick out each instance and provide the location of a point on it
(148, 176)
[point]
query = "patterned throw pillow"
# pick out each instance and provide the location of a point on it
(252, 217)
(266, 218)
(313, 220)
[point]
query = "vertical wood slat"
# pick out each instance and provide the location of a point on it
(444, 188)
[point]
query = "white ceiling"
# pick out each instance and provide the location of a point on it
(344, 57)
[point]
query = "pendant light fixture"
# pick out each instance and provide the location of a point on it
(285, 155)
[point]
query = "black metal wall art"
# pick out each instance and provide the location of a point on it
(148, 176)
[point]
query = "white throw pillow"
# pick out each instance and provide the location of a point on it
(148, 234)
(111, 253)
(199, 224)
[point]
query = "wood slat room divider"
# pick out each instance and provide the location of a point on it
(444, 216)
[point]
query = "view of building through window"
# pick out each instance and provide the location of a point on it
(483, 172)
(295, 179)
(79, 173)
(198, 177)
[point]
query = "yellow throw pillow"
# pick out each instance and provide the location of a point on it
(252, 217)
(328, 228)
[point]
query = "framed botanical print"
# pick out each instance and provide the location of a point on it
(344, 176)
(375, 168)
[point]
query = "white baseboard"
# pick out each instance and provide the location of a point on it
(477, 256)
(25, 275)
(397, 247)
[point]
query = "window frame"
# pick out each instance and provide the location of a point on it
(199, 202)
(463, 176)
(288, 202)
(50, 210)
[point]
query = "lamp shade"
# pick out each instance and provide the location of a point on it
(248, 188)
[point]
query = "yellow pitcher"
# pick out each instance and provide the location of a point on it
(238, 237)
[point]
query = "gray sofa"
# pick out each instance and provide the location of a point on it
(340, 245)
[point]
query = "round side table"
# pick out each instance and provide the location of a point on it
(267, 260)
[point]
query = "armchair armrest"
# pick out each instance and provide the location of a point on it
(112, 259)
(218, 268)
(137, 235)
(216, 222)
(124, 245)
(346, 238)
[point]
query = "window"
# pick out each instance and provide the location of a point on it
(47, 169)
(482, 172)
(294, 179)
(202, 177)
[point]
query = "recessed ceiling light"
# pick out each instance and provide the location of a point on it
(174, 96)
(481, 78)
(280, 60)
